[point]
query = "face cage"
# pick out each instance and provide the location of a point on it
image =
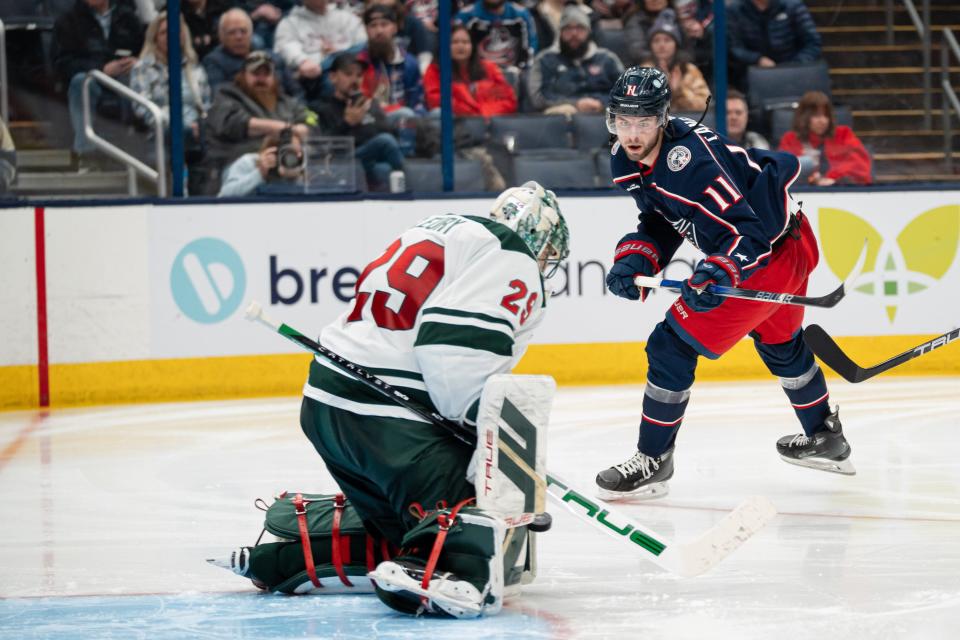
(548, 261)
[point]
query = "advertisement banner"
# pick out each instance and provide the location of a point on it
(301, 260)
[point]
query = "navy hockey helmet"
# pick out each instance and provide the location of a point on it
(639, 91)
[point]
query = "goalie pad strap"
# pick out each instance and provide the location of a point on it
(445, 521)
(301, 511)
(338, 560)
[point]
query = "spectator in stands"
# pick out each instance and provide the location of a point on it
(392, 75)
(427, 11)
(314, 31)
(737, 118)
(689, 91)
(768, 33)
(266, 14)
(236, 42)
(202, 17)
(835, 153)
(696, 23)
(502, 31)
(150, 78)
(250, 172)
(8, 159)
(253, 106)
(575, 75)
(94, 34)
(546, 16)
(348, 112)
(637, 22)
(478, 88)
(412, 35)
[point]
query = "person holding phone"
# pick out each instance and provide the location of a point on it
(94, 34)
(348, 112)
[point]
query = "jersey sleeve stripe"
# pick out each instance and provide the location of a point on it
(469, 337)
(475, 323)
(468, 314)
(340, 385)
(697, 205)
(629, 176)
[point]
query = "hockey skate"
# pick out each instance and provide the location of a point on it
(640, 477)
(446, 594)
(826, 450)
(239, 563)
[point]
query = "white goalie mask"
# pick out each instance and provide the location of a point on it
(534, 214)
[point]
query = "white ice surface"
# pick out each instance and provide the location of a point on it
(106, 515)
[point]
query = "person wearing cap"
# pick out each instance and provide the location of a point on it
(688, 88)
(574, 75)
(503, 32)
(348, 112)
(314, 31)
(254, 106)
(236, 42)
(392, 75)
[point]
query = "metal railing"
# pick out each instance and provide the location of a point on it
(951, 104)
(922, 26)
(4, 86)
(159, 175)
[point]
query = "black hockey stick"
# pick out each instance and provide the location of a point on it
(685, 559)
(827, 301)
(827, 349)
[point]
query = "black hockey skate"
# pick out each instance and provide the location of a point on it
(826, 450)
(640, 477)
(399, 587)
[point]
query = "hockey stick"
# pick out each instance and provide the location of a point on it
(688, 559)
(827, 301)
(826, 348)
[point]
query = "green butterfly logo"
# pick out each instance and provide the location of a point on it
(921, 254)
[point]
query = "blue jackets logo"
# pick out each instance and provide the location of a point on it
(208, 280)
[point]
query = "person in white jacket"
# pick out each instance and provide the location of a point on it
(312, 32)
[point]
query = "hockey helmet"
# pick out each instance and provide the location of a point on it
(534, 214)
(639, 91)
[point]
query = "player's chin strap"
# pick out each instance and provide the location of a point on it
(702, 116)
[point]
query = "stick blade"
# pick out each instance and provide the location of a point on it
(826, 348)
(738, 526)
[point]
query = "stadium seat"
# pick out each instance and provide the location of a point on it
(616, 41)
(604, 176)
(590, 131)
(520, 134)
(425, 176)
(781, 121)
(556, 171)
(782, 86)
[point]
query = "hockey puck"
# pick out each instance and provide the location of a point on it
(541, 522)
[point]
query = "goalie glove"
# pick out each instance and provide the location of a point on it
(635, 256)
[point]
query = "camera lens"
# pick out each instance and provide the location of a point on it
(288, 158)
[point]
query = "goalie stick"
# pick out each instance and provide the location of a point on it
(826, 348)
(684, 559)
(827, 301)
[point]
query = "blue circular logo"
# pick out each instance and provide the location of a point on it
(208, 280)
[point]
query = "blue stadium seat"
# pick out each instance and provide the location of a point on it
(590, 131)
(424, 176)
(556, 171)
(523, 133)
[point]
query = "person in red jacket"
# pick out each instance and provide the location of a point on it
(479, 88)
(837, 155)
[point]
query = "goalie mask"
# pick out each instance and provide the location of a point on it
(534, 214)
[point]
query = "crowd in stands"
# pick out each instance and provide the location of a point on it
(262, 75)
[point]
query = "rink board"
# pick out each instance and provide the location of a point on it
(145, 302)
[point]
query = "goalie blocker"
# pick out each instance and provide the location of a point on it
(461, 559)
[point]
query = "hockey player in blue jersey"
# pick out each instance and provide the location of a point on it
(734, 205)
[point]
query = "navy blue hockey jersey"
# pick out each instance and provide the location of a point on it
(702, 187)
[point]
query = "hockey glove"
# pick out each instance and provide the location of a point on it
(634, 257)
(717, 269)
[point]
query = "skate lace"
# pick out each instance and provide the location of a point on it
(800, 440)
(639, 462)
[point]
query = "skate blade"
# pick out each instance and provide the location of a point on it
(843, 467)
(456, 602)
(646, 492)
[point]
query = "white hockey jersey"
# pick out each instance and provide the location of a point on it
(450, 302)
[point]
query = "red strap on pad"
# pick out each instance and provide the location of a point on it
(338, 504)
(300, 508)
